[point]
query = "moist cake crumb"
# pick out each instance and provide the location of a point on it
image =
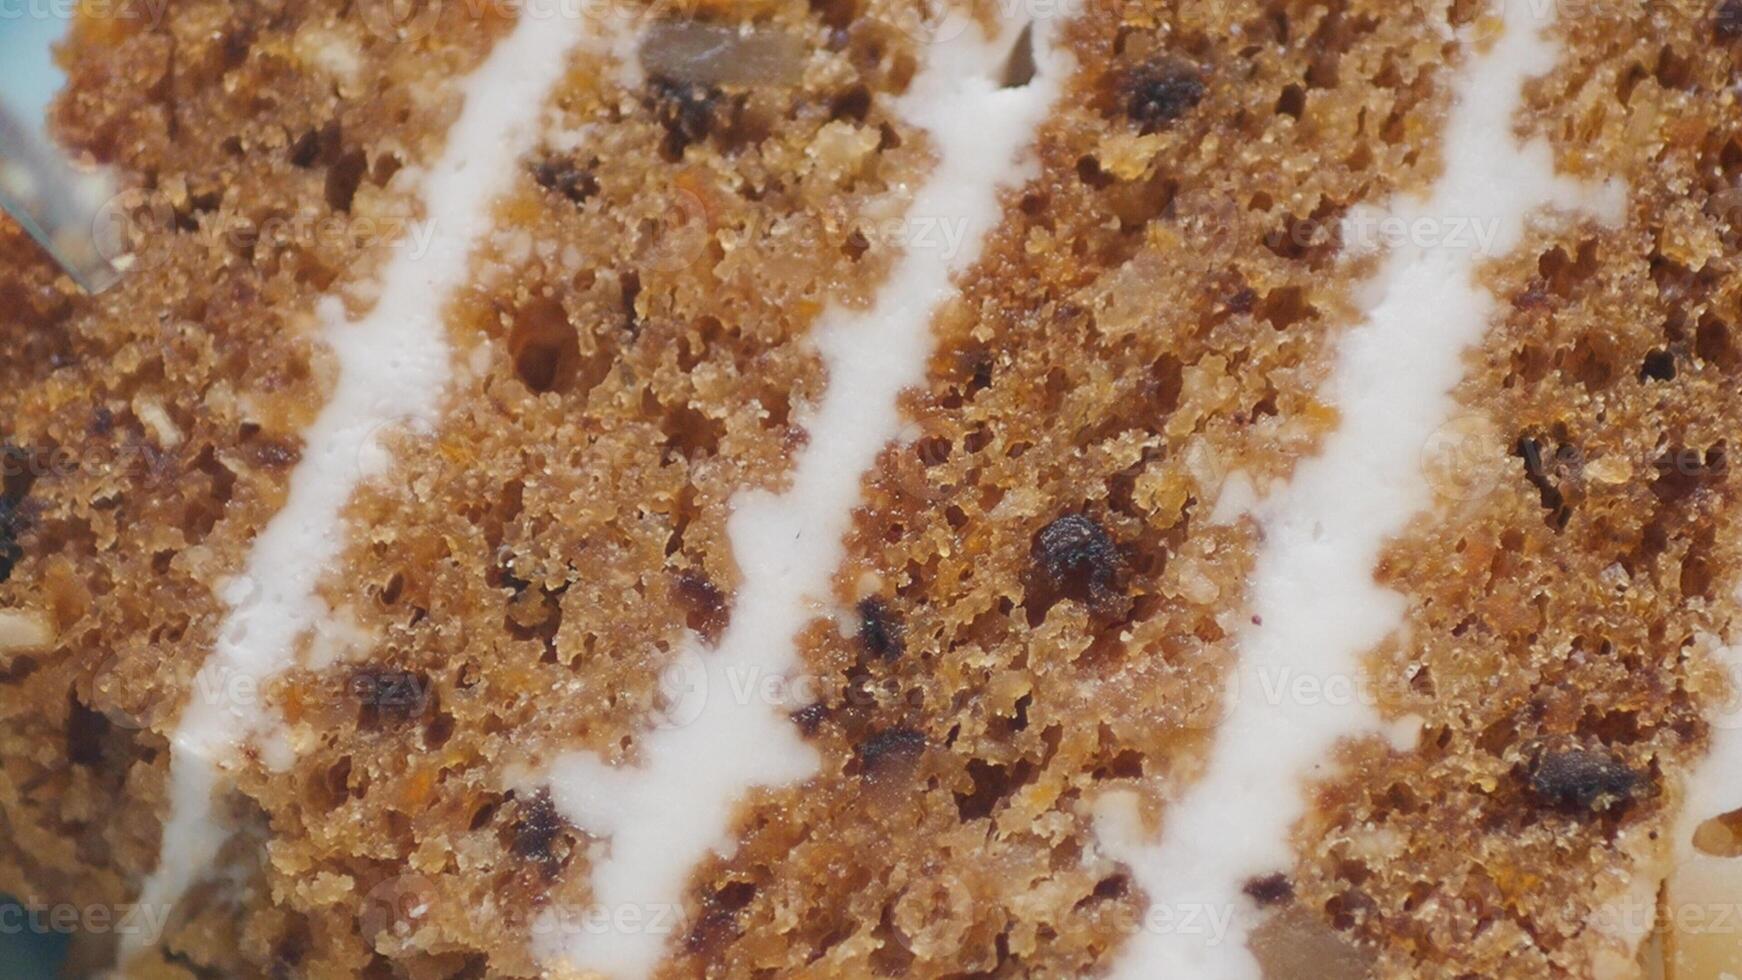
(1012, 649)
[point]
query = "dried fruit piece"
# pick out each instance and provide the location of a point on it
(536, 831)
(890, 745)
(1590, 780)
(1076, 556)
(1270, 889)
(1161, 91)
(1727, 22)
(879, 630)
(703, 603)
(563, 176)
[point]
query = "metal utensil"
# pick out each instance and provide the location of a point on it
(57, 203)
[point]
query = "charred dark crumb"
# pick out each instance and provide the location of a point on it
(1727, 22)
(505, 578)
(18, 470)
(561, 175)
(1160, 91)
(1113, 887)
(102, 421)
(1538, 466)
(86, 730)
(810, 718)
(879, 630)
(288, 953)
(854, 103)
(1270, 889)
(537, 828)
(889, 745)
(703, 603)
(686, 111)
(272, 454)
(344, 176)
(1657, 365)
(394, 696)
(1075, 556)
(1584, 780)
(11, 553)
(1532, 296)
(975, 367)
(305, 149)
(714, 929)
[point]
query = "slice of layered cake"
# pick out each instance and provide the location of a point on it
(851, 488)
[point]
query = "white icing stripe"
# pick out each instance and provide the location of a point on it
(1703, 892)
(663, 816)
(393, 365)
(1313, 587)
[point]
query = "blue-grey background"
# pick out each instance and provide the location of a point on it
(27, 75)
(27, 81)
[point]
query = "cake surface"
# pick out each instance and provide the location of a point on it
(848, 488)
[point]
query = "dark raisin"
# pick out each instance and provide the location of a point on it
(537, 828)
(810, 718)
(1270, 889)
(1727, 23)
(1587, 780)
(703, 603)
(1075, 556)
(890, 745)
(562, 176)
(879, 630)
(1160, 91)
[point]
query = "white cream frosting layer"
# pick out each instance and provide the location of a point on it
(393, 368)
(665, 813)
(1701, 900)
(1313, 586)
